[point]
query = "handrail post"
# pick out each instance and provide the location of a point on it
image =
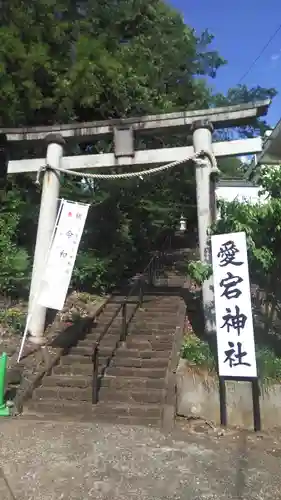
(141, 291)
(156, 268)
(162, 260)
(124, 322)
(95, 359)
(150, 275)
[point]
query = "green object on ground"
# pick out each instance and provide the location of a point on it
(4, 410)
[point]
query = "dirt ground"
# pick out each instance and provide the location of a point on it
(42, 460)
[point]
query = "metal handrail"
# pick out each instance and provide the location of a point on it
(150, 271)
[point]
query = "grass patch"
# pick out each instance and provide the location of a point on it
(198, 353)
(88, 298)
(13, 319)
(269, 365)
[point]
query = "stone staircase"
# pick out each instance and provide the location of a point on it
(132, 374)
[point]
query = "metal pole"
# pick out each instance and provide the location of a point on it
(47, 218)
(124, 322)
(256, 405)
(223, 408)
(95, 360)
(202, 141)
(4, 410)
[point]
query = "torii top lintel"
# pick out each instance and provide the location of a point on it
(222, 117)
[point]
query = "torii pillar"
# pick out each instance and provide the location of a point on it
(202, 141)
(46, 224)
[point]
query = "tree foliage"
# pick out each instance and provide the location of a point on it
(14, 260)
(65, 61)
(231, 168)
(262, 224)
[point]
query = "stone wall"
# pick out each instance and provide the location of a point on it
(198, 396)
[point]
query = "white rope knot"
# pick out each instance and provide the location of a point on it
(44, 169)
(39, 173)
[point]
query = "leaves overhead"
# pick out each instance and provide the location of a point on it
(98, 59)
(64, 61)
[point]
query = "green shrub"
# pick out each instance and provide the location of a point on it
(14, 260)
(269, 365)
(90, 272)
(199, 271)
(198, 352)
(13, 319)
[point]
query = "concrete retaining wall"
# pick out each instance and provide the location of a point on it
(198, 396)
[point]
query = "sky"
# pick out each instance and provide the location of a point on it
(241, 29)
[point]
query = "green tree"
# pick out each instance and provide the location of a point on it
(262, 225)
(65, 60)
(231, 168)
(241, 94)
(14, 261)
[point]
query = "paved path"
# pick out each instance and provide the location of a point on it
(55, 461)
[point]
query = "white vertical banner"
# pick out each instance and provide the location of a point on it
(59, 267)
(234, 321)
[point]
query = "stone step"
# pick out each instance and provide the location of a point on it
(123, 409)
(141, 344)
(132, 396)
(54, 409)
(106, 395)
(102, 409)
(106, 317)
(87, 350)
(146, 342)
(85, 369)
(131, 371)
(160, 318)
(140, 362)
(107, 313)
(130, 307)
(109, 341)
(155, 325)
(68, 381)
(72, 359)
(99, 327)
(93, 335)
(86, 412)
(132, 383)
(112, 338)
(160, 309)
(113, 330)
(146, 329)
(124, 352)
(157, 316)
(63, 393)
(114, 302)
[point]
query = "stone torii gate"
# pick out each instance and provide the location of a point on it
(200, 123)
